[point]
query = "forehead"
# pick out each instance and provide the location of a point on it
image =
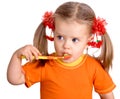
(70, 26)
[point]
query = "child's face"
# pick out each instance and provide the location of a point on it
(70, 38)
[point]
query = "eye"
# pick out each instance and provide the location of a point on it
(75, 40)
(60, 37)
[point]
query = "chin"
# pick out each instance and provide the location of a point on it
(68, 61)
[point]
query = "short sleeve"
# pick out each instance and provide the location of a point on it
(102, 81)
(32, 72)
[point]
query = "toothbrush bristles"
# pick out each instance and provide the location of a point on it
(66, 56)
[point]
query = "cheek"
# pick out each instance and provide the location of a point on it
(79, 51)
(81, 47)
(56, 45)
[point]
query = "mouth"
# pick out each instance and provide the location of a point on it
(66, 56)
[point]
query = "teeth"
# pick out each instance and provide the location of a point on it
(66, 56)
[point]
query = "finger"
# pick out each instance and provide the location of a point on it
(36, 53)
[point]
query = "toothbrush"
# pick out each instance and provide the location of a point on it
(66, 56)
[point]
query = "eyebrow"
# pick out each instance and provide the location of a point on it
(59, 33)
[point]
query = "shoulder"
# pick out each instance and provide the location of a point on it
(34, 64)
(92, 65)
(92, 61)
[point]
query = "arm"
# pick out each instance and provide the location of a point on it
(15, 74)
(107, 96)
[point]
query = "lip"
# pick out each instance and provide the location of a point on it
(68, 56)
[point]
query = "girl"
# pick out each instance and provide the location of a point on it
(75, 29)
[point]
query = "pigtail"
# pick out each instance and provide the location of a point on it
(40, 42)
(40, 37)
(106, 55)
(104, 44)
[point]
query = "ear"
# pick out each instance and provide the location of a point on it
(90, 38)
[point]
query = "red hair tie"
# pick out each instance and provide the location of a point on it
(48, 21)
(98, 29)
(49, 38)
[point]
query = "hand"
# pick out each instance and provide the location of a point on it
(28, 51)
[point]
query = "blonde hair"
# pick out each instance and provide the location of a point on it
(80, 12)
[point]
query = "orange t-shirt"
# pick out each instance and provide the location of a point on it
(58, 81)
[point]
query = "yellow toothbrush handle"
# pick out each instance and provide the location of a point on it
(45, 57)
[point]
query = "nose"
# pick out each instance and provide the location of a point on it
(66, 45)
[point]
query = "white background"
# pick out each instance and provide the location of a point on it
(20, 18)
